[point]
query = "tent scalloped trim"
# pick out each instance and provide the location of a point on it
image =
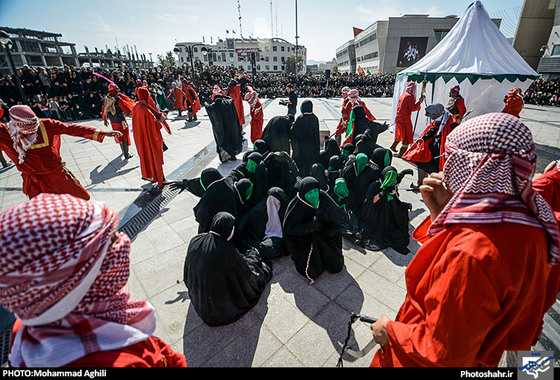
(473, 78)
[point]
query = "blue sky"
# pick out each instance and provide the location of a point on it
(154, 26)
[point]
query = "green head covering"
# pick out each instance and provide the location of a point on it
(389, 180)
(350, 126)
(309, 191)
(312, 196)
(251, 166)
(361, 162)
(340, 189)
(388, 158)
(249, 192)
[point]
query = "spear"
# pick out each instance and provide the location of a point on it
(422, 94)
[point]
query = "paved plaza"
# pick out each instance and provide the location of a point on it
(295, 324)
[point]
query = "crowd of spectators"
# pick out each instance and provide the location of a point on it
(76, 93)
(543, 92)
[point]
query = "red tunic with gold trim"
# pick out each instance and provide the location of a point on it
(43, 170)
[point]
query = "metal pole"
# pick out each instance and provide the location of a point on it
(297, 47)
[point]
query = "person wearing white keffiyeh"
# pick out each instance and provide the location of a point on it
(63, 270)
(478, 285)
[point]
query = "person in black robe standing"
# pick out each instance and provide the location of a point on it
(304, 139)
(277, 134)
(225, 127)
(223, 283)
(384, 217)
(312, 231)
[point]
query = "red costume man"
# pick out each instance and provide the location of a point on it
(345, 114)
(234, 92)
(257, 117)
(63, 271)
(478, 284)
(456, 105)
(403, 124)
(354, 100)
(513, 101)
(191, 98)
(178, 96)
(115, 106)
(33, 145)
(147, 122)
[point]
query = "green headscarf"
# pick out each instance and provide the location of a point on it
(389, 180)
(388, 158)
(340, 189)
(350, 126)
(312, 196)
(251, 166)
(249, 192)
(361, 162)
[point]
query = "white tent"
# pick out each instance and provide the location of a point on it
(476, 56)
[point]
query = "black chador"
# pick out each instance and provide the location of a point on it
(312, 231)
(304, 139)
(225, 126)
(330, 149)
(276, 134)
(198, 185)
(384, 217)
(220, 196)
(223, 283)
(261, 227)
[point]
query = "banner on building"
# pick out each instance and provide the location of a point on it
(411, 50)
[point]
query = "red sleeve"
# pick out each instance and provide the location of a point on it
(461, 106)
(461, 299)
(77, 130)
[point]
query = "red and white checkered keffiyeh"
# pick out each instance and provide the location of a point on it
(489, 168)
(62, 277)
(23, 126)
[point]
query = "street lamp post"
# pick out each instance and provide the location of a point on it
(189, 50)
(6, 42)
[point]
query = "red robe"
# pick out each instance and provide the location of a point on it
(234, 92)
(343, 122)
(473, 291)
(148, 140)
(513, 104)
(125, 104)
(43, 170)
(548, 186)
(403, 125)
(179, 98)
(257, 120)
(420, 152)
(191, 97)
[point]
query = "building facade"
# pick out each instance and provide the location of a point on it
(389, 46)
(268, 55)
(36, 48)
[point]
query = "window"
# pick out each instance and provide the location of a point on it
(440, 34)
(275, 68)
(281, 48)
(274, 48)
(555, 50)
(275, 59)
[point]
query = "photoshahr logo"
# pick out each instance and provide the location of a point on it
(535, 365)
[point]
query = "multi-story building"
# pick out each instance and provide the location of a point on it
(268, 55)
(388, 46)
(36, 48)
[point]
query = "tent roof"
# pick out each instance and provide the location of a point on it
(475, 49)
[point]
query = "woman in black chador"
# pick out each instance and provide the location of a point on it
(312, 231)
(384, 217)
(276, 134)
(304, 139)
(225, 126)
(223, 283)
